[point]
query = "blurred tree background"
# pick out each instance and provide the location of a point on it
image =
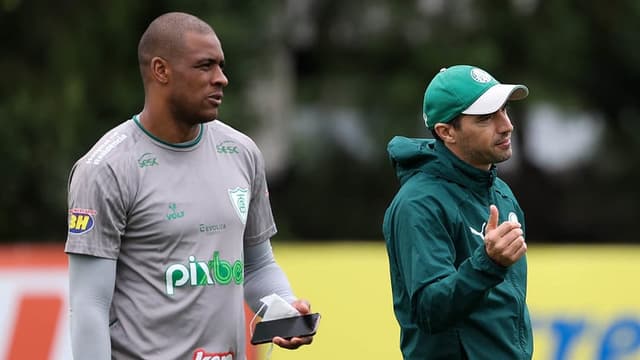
(322, 86)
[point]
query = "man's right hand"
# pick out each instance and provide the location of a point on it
(503, 243)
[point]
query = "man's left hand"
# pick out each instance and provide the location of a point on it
(295, 342)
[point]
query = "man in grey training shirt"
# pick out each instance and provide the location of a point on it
(169, 217)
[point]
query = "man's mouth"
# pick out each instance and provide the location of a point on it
(505, 143)
(216, 98)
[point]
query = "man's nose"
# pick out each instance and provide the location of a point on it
(504, 122)
(220, 77)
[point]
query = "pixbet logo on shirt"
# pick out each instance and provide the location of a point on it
(200, 354)
(203, 273)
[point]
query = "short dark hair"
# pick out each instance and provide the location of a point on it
(164, 36)
(455, 123)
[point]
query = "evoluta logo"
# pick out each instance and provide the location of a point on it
(203, 273)
(213, 228)
(81, 220)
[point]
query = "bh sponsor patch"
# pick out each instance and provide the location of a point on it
(81, 220)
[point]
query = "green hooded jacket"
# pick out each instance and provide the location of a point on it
(450, 299)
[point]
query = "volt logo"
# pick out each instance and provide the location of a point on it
(204, 273)
(200, 354)
(174, 213)
(81, 221)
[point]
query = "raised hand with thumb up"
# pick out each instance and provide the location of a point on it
(504, 243)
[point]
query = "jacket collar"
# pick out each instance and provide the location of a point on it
(464, 173)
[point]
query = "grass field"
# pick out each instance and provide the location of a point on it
(349, 285)
(584, 301)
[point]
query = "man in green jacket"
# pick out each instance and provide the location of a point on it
(454, 232)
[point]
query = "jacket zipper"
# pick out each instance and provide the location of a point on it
(517, 293)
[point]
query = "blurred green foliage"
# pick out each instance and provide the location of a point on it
(70, 73)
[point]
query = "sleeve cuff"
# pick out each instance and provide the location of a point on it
(482, 262)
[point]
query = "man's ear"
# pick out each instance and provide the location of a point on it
(445, 132)
(160, 70)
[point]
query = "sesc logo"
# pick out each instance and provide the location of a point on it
(147, 159)
(227, 147)
(81, 220)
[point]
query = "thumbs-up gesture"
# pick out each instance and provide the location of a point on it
(503, 243)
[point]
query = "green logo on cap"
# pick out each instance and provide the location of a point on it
(452, 91)
(480, 75)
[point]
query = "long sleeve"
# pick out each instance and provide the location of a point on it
(91, 284)
(263, 276)
(440, 293)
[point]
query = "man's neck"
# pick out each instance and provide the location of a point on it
(166, 128)
(461, 155)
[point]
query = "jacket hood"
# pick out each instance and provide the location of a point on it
(411, 155)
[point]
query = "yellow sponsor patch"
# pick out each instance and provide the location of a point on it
(81, 220)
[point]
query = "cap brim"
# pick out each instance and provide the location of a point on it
(494, 98)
